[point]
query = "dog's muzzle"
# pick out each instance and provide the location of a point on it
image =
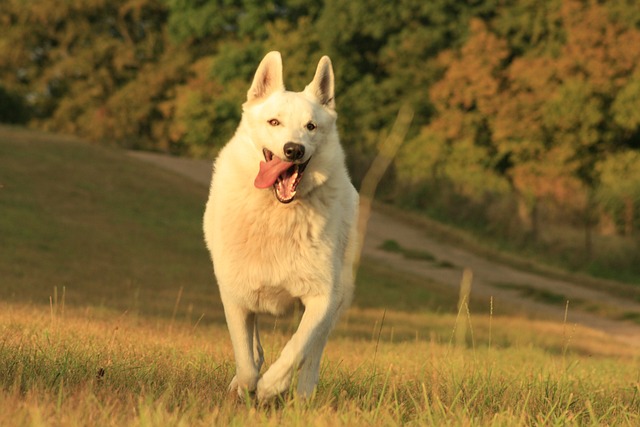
(283, 176)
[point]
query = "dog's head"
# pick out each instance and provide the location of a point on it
(288, 128)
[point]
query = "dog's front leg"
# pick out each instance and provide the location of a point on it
(307, 342)
(310, 368)
(242, 324)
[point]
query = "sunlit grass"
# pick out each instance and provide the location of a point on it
(120, 370)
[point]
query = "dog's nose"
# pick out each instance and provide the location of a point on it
(293, 151)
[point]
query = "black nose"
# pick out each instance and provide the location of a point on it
(293, 151)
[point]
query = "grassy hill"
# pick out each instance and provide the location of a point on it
(109, 315)
(112, 231)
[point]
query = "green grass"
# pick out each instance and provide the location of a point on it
(557, 299)
(110, 316)
(542, 295)
(393, 246)
(415, 254)
(112, 232)
(381, 286)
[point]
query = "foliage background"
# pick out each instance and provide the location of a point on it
(527, 113)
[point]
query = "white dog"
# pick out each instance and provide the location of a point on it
(280, 225)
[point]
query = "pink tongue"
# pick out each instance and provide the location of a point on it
(270, 171)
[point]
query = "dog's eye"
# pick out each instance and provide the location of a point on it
(311, 126)
(274, 122)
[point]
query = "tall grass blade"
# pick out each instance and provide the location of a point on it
(375, 352)
(387, 149)
(175, 307)
(460, 329)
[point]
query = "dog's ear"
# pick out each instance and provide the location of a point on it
(321, 87)
(268, 78)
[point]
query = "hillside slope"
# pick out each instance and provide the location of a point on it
(100, 227)
(512, 289)
(95, 227)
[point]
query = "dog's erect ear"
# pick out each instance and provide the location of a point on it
(268, 78)
(322, 84)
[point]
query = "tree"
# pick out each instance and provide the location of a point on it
(12, 108)
(619, 187)
(70, 58)
(457, 146)
(537, 108)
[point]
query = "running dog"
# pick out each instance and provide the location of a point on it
(280, 224)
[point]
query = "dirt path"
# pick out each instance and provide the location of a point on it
(506, 284)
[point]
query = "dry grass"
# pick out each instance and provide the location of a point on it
(88, 367)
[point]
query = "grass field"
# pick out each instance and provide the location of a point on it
(110, 316)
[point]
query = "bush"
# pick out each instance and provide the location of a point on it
(12, 108)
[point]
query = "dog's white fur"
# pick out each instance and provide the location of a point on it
(268, 254)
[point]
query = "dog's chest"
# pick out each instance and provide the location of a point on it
(287, 248)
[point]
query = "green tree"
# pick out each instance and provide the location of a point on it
(456, 148)
(69, 58)
(226, 40)
(12, 108)
(536, 106)
(384, 57)
(619, 188)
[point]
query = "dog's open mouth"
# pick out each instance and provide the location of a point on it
(283, 176)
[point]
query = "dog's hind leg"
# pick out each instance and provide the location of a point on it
(258, 353)
(241, 324)
(305, 346)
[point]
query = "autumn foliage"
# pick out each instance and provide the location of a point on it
(527, 113)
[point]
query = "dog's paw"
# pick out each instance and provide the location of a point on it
(242, 392)
(233, 386)
(268, 388)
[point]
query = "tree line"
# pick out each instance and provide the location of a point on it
(526, 112)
